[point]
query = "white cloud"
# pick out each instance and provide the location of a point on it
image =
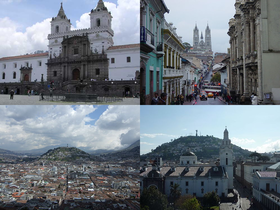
(31, 127)
(238, 141)
(9, 1)
(146, 143)
(14, 42)
(154, 135)
(270, 146)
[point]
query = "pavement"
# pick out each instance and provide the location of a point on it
(34, 100)
(209, 101)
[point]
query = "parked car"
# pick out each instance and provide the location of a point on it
(210, 95)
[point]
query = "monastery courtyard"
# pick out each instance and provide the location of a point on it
(34, 100)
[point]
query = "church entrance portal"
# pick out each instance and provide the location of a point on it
(26, 78)
(76, 74)
(127, 91)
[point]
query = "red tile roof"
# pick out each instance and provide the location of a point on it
(24, 56)
(124, 46)
(267, 173)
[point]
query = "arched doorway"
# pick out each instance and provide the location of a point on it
(26, 78)
(127, 91)
(76, 74)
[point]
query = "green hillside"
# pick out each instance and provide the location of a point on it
(205, 147)
(65, 154)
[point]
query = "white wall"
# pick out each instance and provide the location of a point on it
(121, 69)
(36, 71)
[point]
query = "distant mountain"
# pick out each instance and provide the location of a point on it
(205, 147)
(132, 151)
(38, 151)
(65, 154)
(6, 152)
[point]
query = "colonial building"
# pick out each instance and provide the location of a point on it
(254, 50)
(77, 61)
(151, 47)
(172, 71)
(193, 177)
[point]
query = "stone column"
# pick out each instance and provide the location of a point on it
(247, 35)
(167, 56)
(252, 34)
(238, 80)
(244, 73)
(259, 57)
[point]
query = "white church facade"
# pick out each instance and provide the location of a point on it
(93, 59)
(193, 178)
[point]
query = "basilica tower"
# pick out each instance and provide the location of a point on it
(226, 158)
(195, 37)
(208, 44)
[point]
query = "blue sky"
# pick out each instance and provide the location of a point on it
(25, 24)
(94, 127)
(252, 127)
(185, 13)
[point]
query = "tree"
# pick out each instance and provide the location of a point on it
(255, 156)
(264, 158)
(191, 204)
(187, 46)
(153, 199)
(211, 199)
(216, 77)
(175, 193)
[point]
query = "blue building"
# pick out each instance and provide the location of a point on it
(151, 47)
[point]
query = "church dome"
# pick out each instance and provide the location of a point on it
(188, 153)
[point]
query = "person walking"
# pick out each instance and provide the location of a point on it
(162, 99)
(255, 100)
(155, 99)
(12, 94)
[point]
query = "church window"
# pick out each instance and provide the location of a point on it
(15, 65)
(4, 66)
(226, 161)
(76, 51)
(97, 71)
(128, 59)
(202, 183)
(3, 75)
(217, 184)
(97, 22)
(39, 63)
(55, 73)
(171, 183)
(56, 29)
(14, 75)
(26, 64)
(187, 190)
(226, 153)
(202, 190)
(187, 183)
(193, 162)
(188, 162)
(112, 60)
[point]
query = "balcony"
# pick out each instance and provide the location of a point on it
(159, 50)
(147, 40)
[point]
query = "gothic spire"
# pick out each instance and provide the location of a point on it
(61, 13)
(101, 5)
(226, 134)
(201, 36)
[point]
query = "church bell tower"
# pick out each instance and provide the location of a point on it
(195, 37)
(101, 23)
(226, 158)
(208, 44)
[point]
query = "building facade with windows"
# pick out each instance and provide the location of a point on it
(254, 50)
(151, 48)
(172, 66)
(77, 60)
(193, 177)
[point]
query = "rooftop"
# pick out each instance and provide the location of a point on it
(24, 56)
